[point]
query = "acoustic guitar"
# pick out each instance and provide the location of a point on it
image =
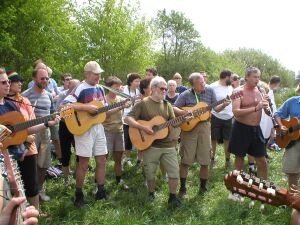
(202, 111)
(258, 189)
(10, 172)
(141, 140)
(292, 133)
(78, 122)
(16, 123)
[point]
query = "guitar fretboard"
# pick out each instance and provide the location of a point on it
(173, 122)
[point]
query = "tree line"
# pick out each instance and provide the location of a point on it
(66, 34)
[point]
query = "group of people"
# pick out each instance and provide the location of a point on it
(240, 123)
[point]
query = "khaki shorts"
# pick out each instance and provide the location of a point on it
(115, 141)
(54, 132)
(92, 142)
(291, 159)
(42, 141)
(195, 145)
(166, 156)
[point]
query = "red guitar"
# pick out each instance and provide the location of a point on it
(10, 170)
(261, 190)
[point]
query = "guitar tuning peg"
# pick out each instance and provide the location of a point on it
(260, 187)
(250, 182)
(251, 204)
(240, 179)
(262, 207)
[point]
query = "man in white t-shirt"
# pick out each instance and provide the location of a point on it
(221, 122)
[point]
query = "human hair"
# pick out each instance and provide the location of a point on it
(225, 73)
(111, 80)
(193, 77)
(172, 82)
(37, 62)
(131, 77)
(250, 70)
(62, 77)
(35, 72)
(144, 84)
(177, 75)
(264, 85)
(2, 70)
(157, 80)
(152, 70)
(274, 79)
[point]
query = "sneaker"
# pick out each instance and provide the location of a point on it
(101, 195)
(274, 147)
(123, 185)
(174, 203)
(182, 192)
(43, 196)
(235, 197)
(78, 203)
(95, 188)
(203, 190)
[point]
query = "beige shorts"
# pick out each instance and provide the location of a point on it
(54, 132)
(166, 156)
(42, 141)
(195, 145)
(291, 159)
(115, 141)
(92, 142)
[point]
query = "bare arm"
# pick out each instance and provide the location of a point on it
(237, 111)
(178, 111)
(133, 123)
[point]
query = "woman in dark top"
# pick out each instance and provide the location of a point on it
(171, 96)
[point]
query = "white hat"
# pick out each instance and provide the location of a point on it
(93, 67)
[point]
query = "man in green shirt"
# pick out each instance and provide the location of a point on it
(162, 150)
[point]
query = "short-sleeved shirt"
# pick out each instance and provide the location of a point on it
(127, 91)
(188, 98)
(181, 89)
(222, 92)
(172, 100)
(114, 122)
(27, 111)
(290, 108)
(42, 102)
(86, 93)
(147, 109)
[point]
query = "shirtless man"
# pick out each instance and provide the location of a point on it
(247, 137)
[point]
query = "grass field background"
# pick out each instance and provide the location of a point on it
(133, 207)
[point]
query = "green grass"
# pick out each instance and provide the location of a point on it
(132, 207)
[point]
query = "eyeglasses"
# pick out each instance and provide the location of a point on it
(68, 79)
(44, 78)
(236, 78)
(5, 82)
(177, 78)
(163, 89)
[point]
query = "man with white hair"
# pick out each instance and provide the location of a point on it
(93, 141)
(162, 150)
(195, 145)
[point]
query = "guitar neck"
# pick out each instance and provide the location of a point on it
(31, 123)
(110, 107)
(197, 112)
(173, 122)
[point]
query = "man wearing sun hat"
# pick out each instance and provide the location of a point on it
(93, 141)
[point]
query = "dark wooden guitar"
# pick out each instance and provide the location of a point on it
(264, 191)
(10, 171)
(292, 133)
(141, 140)
(201, 111)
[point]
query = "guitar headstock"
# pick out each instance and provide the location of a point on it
(258, 189)
(236, 95)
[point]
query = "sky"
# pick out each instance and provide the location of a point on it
(271, 26)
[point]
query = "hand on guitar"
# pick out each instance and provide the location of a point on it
(147, 129)
(52, 123)
(30, 138)
(226, 102)
(92, 109)
(29, 215)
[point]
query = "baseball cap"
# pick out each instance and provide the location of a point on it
(13, 76)
(93, 67)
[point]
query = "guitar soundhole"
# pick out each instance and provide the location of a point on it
(155, 128)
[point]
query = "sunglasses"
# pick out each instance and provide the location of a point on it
(163, 89)
(236, 78)
(44, 78)
(5, 82)
(68, 79)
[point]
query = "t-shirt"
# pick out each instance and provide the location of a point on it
(188, 98)
(127, 91)
(147, 109)
(86, 93)
(8, 106)
(28, 114)
(181, 89)
(221, 93)
(43, 102)
(171, 100)
(114, 123)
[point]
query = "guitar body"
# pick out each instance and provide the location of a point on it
(283, 140)
(16, 138)
(142, 140)
(191, 124)
(78, 122)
